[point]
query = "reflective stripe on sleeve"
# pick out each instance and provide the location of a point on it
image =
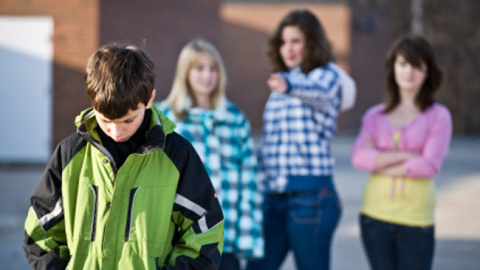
(186, 203)
(57, 211)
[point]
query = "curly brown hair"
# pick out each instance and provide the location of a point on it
(416, 51)
(317, 51)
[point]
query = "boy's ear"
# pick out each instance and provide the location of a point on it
(152, 98)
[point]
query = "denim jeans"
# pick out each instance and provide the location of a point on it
(397, 247)
(303, 222)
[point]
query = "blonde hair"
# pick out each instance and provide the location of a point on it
(181, 88)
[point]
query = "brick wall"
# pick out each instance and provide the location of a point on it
(358, 48)
(75, 37)
(164, 27)
(82, 26)
(371, 37)
(245, 33)
(452, 29)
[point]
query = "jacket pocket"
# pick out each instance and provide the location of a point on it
(131, 203)
(94, 212)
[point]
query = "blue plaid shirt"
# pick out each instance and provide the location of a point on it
(222, 139)
(299, 126)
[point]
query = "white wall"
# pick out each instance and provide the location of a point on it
(26, 53)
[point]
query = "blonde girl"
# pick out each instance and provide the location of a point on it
(220, 133)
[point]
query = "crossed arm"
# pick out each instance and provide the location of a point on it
(424, 164)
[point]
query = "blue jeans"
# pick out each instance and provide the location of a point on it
(303, 222)
(397, 247)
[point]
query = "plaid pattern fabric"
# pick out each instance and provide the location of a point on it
(222, 139)
(299, 127)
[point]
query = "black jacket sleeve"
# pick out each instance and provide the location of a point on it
(197, 212)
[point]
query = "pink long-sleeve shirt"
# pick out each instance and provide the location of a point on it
(429, 135)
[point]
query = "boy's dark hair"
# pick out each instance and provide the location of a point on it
(118, 78)
(317, 51)
(416, 51)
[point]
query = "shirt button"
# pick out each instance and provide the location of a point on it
(105, 161)
(109, 204)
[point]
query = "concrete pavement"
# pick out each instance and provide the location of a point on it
(457, 212)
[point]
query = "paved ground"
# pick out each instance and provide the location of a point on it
(457, 212)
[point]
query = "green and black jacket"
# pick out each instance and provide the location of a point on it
(158, 211)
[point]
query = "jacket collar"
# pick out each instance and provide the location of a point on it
(219, 113)
(160, 127)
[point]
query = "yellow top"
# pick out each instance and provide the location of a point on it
(405, 201)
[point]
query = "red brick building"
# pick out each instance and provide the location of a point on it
(360, 39)
(162, 27)
(240, 31)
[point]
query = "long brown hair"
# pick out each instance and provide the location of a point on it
(317, 51)
(416, 51)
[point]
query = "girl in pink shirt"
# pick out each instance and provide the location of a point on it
(403, 143)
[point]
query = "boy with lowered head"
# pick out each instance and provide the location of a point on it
(124, 191)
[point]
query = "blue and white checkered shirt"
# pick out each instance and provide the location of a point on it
(299, 126)
(223, 141)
